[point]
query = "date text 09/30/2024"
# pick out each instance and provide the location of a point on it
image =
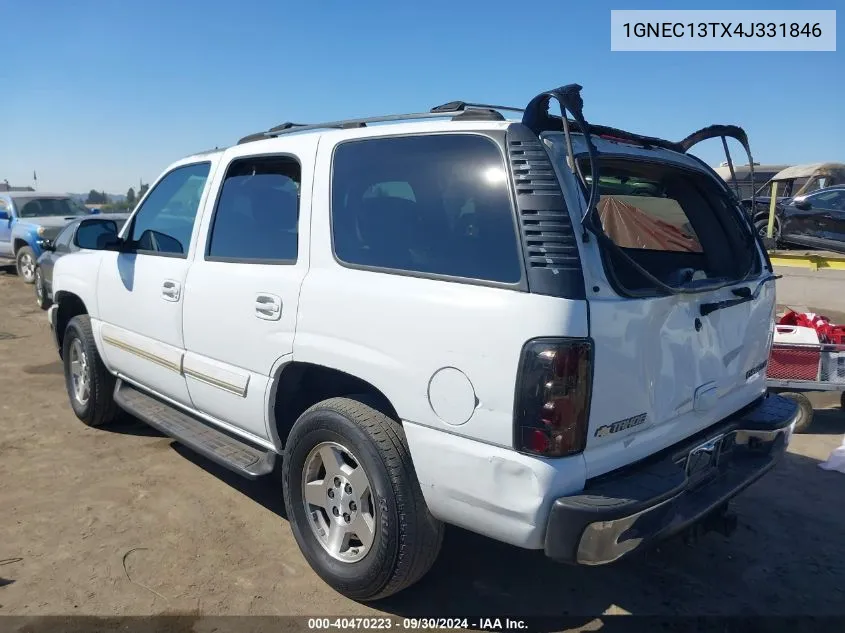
(376, 623)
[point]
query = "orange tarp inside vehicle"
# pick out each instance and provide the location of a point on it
(663, 228)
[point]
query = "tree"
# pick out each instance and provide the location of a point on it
(130, 196)
(96, 197)
(142, 190)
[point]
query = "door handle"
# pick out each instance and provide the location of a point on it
(170, 290)
(268, 307)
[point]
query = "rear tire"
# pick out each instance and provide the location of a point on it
(41, 298)
(405, 538)
(805, 410)
(25, 264)
(90, 386)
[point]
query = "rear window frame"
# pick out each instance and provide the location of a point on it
(497, 138)
(730, 198)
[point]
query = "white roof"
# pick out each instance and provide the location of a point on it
(806, 170)
(371, 131)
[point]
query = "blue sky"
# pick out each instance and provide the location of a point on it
(100, 93)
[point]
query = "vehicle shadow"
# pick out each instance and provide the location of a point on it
(828, 422)
(8, 269)
(772, 565)
(125, 424)
(267, 490)
(785, 560)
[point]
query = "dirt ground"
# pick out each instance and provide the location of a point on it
(126, 522)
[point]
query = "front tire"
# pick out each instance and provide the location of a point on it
(25, 264)
(762, 228)
(41, 298)
(354, 502)
(90, 386)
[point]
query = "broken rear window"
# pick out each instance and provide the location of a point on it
(676, 223)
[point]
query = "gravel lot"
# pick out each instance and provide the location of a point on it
(126, 522)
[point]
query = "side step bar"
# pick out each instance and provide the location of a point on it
(230, 452)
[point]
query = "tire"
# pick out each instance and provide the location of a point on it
(762, 228)
(98, 408)
(406, 537)
(25, 264)
(805, 411)
(41, 298)
(842, 400)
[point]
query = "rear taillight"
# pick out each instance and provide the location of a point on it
(551, 411)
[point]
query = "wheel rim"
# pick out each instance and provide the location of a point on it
(763, 230)
(79, 372)
(39, 286)
(27, 266)
(338, 502)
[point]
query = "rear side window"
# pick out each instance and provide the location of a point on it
(433, 205)
(257, 213)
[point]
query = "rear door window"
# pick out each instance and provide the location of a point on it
(257, 215)
(433, 205)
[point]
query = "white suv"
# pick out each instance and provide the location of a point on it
(548, 332)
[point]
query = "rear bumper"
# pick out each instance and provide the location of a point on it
(626, 510)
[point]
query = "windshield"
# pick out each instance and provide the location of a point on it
(40, 207)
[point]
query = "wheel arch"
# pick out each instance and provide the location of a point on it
(68, 305)
(297, 385)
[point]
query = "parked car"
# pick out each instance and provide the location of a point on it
(815, 220)
(742, 185)
(442, 321)
(64, 244)
(792, 182)
(27, 217)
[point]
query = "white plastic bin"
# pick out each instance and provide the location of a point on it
(795, 334)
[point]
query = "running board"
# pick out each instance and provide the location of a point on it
(230, 452)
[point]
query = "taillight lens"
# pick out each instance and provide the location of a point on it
(551, 411)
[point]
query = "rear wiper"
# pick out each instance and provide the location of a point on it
(743, 295)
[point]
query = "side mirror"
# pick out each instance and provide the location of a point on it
(803, 205)
(46, 245)
(4, 215)
(97, 235)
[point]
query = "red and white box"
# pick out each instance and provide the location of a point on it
(794, 362)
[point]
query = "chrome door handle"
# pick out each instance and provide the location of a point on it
(268, 307)
(170, 290)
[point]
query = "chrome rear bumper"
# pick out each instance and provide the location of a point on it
(624, 511)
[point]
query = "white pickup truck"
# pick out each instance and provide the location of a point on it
(548, 332)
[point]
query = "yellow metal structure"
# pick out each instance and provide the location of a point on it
(772, 205)
(813, 261)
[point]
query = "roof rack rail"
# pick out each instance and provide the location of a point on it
(463, 106)
(467, 112)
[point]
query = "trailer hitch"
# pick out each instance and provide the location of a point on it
(721, 520)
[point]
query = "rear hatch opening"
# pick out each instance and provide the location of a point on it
(667, 228)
